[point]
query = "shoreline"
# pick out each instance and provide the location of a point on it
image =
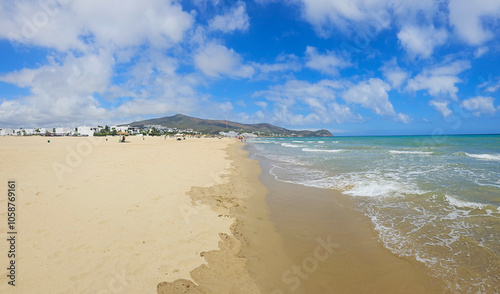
(236, 267)
(307, 218)
(283, 242)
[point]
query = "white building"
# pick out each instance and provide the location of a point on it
(133, 130)
(87, 131)
(64, 131)
(7, 132)
(249, 135)
(120, 128)
(230, 134)
(29, 132)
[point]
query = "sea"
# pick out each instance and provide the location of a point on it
(433, 199)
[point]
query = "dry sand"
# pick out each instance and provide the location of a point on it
(97, 216)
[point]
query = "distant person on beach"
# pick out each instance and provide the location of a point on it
(123, 139)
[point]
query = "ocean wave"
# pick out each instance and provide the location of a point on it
(410, 152)
(463, 204)
(442, 237)
(297, 175)
(381, 188)
(322, 150)
(291, 145)
(489, 157)
(283, 159)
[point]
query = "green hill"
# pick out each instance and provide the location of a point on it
(208, 126)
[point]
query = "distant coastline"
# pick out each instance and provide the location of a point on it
(172, 125)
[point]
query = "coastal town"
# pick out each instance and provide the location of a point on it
(86, 131)
(94, 131)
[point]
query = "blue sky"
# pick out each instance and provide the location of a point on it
(360, 67)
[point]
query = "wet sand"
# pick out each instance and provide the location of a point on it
(253, 246)
(334, 247)
(288, 238)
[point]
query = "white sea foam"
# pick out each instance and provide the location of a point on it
(321, 142)
(291, 145)
(381, 188)
(463, 204)
(410, 152)
(428, 226)
(491, 157)
(298, 175)
(322, 150)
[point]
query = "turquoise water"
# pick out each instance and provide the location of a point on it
(432, 199)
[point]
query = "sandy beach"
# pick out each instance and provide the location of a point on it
(98, 216)
(163, 216)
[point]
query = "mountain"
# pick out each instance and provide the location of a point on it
(208, 126)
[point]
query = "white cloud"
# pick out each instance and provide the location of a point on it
(235, 19)
(277, 67)
(317, 99)
(467, 18)
(440, 81)
(160, 106)
(283, 115)
(294, 91)
(328, 63)
(261, 104)
(393, 73)
(479, 105)
(421, 41)
(67, 91)
(492, 88)
(75, 76)
(441, 107)
(88, 24)
(202, 4)
(285, 64)
(364, 18)
(342, 113)
(404, 118)
(324, 15)
(59, 92)
(215, 60)
(480, 52)
(372, 95)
